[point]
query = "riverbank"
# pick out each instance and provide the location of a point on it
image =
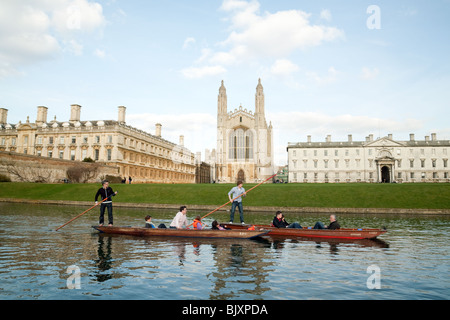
(247, 208)
(310, 198)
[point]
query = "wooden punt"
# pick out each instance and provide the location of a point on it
(185, 233)
(343, 233)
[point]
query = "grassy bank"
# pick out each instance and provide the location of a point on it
(408, 196)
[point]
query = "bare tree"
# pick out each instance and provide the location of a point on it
(82, 172)
(27, 173)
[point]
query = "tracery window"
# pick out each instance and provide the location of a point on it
(241, 145)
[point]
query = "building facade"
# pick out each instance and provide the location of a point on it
(380, 160)
(143, 156)
(244, 142)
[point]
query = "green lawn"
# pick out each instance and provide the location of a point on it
(420, 195)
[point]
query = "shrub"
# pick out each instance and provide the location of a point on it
(4, 178)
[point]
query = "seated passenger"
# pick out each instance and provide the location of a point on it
(197, 223)
(180, 219)
(216, 226)
(280, 222)
(334, 225)
(148, 222)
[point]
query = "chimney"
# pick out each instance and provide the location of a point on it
(390, 136)
(309, 139)
(3, 115)
(370, 137)
(121, 117)
(158, 130)
(41, 115)
(328, 138)
(182, 140)
(427, 138)
(350, 138)
(75, 111)
(411, 137)
(433, 137)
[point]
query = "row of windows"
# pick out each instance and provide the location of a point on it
(346, 152)
(423, 162)
(144, 146)
(51, 140)
(347, 175)
(61, 154)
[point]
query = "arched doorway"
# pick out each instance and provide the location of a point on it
(241, 176)
(385, 174)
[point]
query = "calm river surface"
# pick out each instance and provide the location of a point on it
(411, 261)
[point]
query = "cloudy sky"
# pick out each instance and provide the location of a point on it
(327, 67)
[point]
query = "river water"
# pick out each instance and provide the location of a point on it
(410, 261)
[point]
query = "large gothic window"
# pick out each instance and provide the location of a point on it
(241, 145)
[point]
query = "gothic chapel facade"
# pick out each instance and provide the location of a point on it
(244, 141)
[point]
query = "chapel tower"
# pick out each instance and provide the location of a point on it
(244, 141)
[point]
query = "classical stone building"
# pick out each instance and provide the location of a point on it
(381, 160)
(244, 142)
(143, 156)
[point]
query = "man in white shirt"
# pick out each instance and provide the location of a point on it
(235, 195)
(180, 219)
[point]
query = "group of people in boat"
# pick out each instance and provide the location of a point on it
(180, 221)
(279, 221)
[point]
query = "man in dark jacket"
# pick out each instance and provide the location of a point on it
(280, 222)
(105, 192)
(334, 225)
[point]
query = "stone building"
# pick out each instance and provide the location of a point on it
(244, 142)
(381, 160)
(143, 156)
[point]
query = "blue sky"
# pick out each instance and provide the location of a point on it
(324, 71)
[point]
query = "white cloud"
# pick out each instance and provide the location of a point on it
(200, 72)
(367, 73)
(275, 34)
(253, 36)
(330, 77)
(325, 14)
(34, 31)
(297, 125)
(229, 5)
(75, 47)
(283, 67)
(188, 42)
(100, 53)
(77, 16)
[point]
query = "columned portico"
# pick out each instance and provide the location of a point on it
(385, 169)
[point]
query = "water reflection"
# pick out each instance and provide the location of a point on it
(103, 262)
(413, 258)
(232, 267)
(278, 242)
(180, 251)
